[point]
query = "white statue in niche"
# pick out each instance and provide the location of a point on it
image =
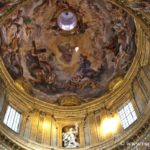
(70, 137)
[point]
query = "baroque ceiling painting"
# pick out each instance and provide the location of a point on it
(141, 5)
(7, 5)
(70, 47)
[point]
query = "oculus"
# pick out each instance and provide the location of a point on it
(67, 20)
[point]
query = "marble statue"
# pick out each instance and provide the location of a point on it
(69, 138)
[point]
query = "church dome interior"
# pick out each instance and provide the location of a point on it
(74, 74)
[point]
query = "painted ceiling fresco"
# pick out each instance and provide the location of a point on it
(79, 62)
(142, 6)
(7, 5)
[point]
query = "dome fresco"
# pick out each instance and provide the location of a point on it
(54, 62)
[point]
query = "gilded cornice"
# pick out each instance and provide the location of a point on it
(119, 141)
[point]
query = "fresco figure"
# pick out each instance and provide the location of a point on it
(13, 64)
